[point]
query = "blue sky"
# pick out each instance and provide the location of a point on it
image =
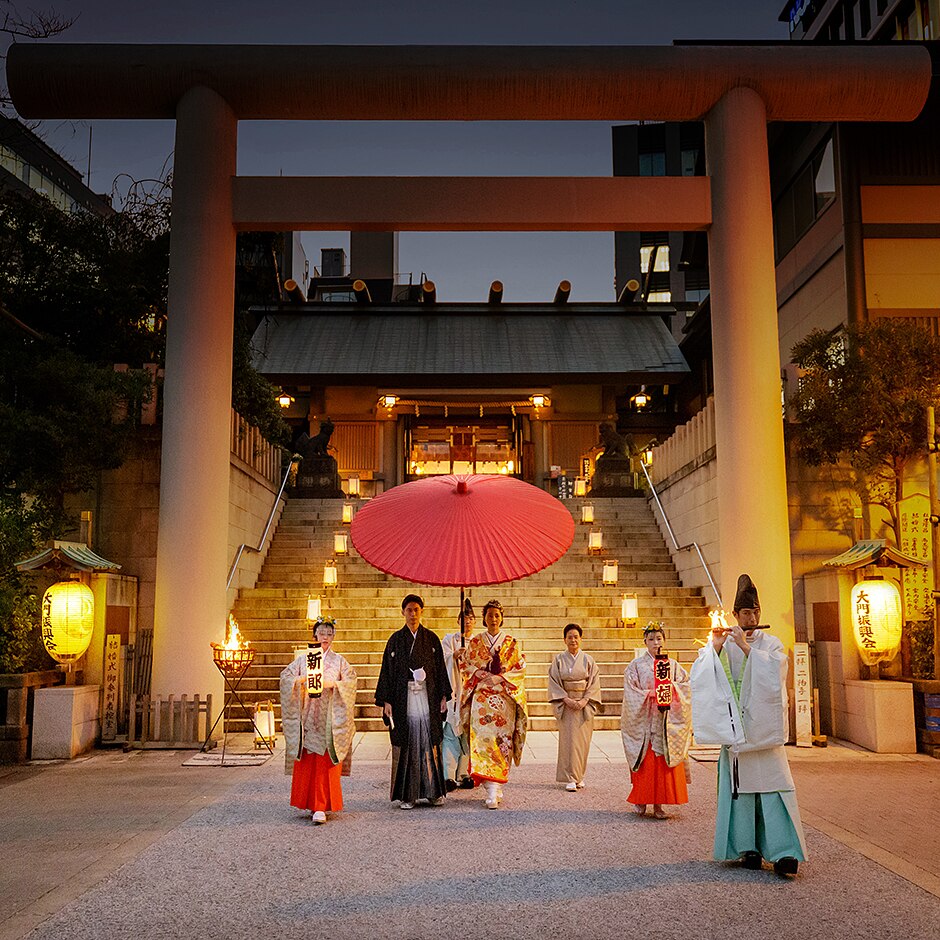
(462, 264)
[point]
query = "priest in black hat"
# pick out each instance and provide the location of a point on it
(739, 700)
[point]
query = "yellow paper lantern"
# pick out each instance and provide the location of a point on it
(629, 610)
(314, 608)
(580, 487)
(68, 619)
(264, 724)
(876, 620)
(347, 513)
(587, 514)
(609, 573)
(330, 578)
(595, 542)
(340, 544)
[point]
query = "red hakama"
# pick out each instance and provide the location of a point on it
(315, 784)
(656, 783)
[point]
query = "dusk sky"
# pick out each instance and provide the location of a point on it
(462, 264)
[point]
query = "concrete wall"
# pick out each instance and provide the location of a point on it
(126, 505)
(251, 498)
(685, 473)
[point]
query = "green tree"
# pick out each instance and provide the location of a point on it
(862, 401)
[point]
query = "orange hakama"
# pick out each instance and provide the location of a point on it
(656, 783)
(316, 784)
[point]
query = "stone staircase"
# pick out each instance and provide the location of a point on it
(366, 605)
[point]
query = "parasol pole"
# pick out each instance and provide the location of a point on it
(463, 639)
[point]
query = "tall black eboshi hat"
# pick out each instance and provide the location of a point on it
(746, 596)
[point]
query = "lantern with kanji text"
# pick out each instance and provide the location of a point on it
(876, 620)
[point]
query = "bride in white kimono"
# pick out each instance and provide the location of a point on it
(739, 700)
(318, 732)
(574, 691)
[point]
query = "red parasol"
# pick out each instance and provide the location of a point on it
(460, 531)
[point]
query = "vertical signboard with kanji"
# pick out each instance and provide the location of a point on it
(802, 695)
(914, 514)
(112, 661)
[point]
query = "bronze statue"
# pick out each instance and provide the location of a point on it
(318, 445)
(615, 445)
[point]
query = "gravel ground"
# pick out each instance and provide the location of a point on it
(548, 864)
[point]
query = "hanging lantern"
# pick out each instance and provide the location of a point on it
(314, 670)
(595, 541)
(580, 486)
(640, 399)
(609, 573)
(876, 620)
(663, 681)
(629, 610)
(347, 513)
(330, 578)
(340, 544)
(647, 456)
(264, 724)
(314, 609)
(353, 483)
(587, 514)
(68, 619)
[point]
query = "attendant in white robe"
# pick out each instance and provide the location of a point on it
(574, 691)
(739, 698)
(456, 744)
(318, 731)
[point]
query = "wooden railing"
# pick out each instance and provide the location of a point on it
(249, 446)
(688, 445)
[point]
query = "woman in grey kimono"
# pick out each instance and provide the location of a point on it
(574, 690)
(318, 732)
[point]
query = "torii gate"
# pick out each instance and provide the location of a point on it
(736, 89)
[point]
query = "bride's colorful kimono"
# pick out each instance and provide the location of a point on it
(493, 707)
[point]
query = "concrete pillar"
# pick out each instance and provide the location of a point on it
(192, 546)
(753, 525)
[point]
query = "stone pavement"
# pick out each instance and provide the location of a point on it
(121, 845)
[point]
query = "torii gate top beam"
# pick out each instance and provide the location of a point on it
(799, 82)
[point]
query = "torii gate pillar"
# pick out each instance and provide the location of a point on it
(192, 545)
(753, 527)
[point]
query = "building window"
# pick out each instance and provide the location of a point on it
(689, 160)
(653, 164)
(660, 297)
(662, 258)
(804, 200)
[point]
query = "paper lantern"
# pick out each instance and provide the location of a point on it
(264, 724)
(876, 620)
(340, 544)
(580, 487)
(314, 609)
(314, 670)
(609, 573)
(587, 514)
(347, 513)
(353, 484)
(663, 681)
(330, 578)
(68, 619)
(595, 541)
(629, 610)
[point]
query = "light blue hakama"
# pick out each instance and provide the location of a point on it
(768, 823)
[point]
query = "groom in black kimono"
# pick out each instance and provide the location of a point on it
(412, 691)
